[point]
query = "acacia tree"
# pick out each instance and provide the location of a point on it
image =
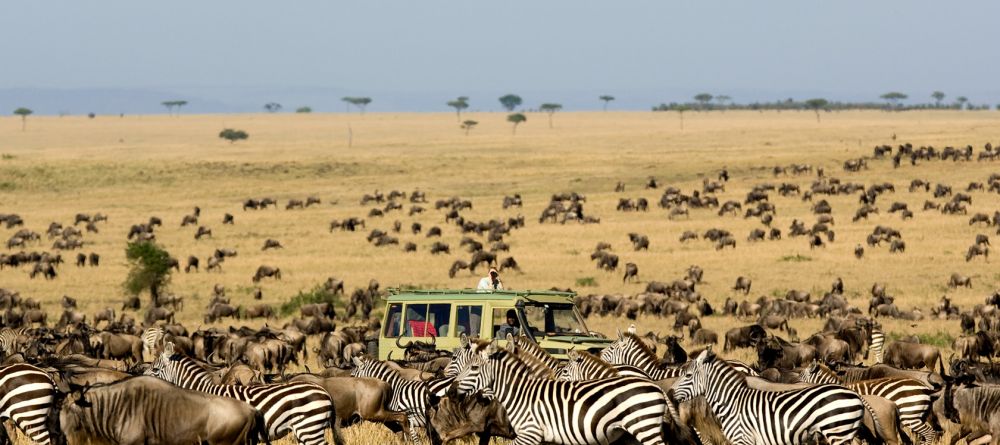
(893, 98)
(360, 102)
(510, 101)
(468, 125)
(233, 135)
(305, 109)
(680, 112)
(459, 104)
(961, 102)
(170, 104)
(24, 113)
(722, 99)
(516, 118)
(272, 107)
(816, 105)
(149, 268)
(938, 97)
(551, 109)
(606, 99)
(703, 99)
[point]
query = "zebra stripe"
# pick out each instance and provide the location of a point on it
(152, 339)
(304, 409)
(630, 350)
(585, 366)
(912, 397)
(408, 396)
(8, 340)
(566, 412)
(752, 417)
(877, 344)
(26, 398)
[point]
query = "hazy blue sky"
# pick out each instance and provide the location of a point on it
(661, 50)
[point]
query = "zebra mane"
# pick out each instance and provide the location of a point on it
(825, 371)
(517, 361)
(641, 346)
(533, 350)
(538, 368)
(589, 358)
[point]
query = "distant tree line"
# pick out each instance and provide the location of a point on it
(891, 101)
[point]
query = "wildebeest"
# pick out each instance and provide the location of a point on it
(977, 250)
(149, 410)
(905, 355)
(631, 271)
(742, 284)
(957, 280)
(272, 244)
(744, 337)
(265, 271)
(457, 266)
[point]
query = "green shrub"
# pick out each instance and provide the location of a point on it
(797, 258)
(586, 282)
(318, 294)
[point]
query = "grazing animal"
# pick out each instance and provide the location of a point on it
(265, 271)
(149, 410)
(408, 396)
(833, 411)
(596, 411)
(911, 397)
(303, 409)
(631, 271)
(26, 397)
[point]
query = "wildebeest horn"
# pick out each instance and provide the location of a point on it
(433, 340)
(398, 345)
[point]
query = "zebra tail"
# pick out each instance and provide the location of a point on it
(338, 439)
(260, 434)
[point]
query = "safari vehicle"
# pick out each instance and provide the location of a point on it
(442, 316)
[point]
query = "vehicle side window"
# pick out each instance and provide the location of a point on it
(392, 320)
(438, 320)
(500, 321)
(415, 324)
(535, 317)
(470, 319)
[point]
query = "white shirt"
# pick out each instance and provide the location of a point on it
(487, 283)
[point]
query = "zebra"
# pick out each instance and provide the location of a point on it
(26, 397)
(408, 396)
(912, 397)
(8, 340)
(304, 409)
(754, 417)
(595, 411)
(467, 348)
(630, 350)
(152, 338)
(586, 366)
(877, 344)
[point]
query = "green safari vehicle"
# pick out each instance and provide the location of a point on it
(549, 318)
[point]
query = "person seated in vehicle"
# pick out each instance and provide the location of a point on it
(510, 326)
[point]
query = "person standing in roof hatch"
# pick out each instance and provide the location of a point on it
(491, 281)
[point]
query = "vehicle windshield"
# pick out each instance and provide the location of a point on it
(551, 319)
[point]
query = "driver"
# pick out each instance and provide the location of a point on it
(510, 326)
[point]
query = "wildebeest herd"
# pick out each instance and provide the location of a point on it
(118, 377)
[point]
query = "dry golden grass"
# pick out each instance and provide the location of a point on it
(137, 166)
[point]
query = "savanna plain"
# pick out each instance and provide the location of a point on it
(134, 167)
